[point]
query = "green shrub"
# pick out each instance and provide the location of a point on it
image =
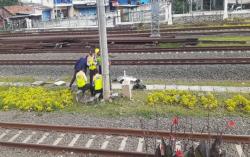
(188, 100)
(172, 97)
(209, 101)
(35, 99)
(239, 103)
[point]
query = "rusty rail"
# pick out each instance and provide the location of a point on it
(114, 32)
(76, 150)
(68, 49)
(128, 132)
(72, 39)
(191, 61)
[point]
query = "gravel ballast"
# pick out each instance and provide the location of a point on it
(173, 72)
(120, 56)
(77, 119)
(74, 119)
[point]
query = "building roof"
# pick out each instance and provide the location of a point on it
(17, 9)
(23, 16)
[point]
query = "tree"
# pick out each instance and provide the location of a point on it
(180, 6)
(8, 2)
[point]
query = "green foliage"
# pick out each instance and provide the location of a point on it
(172, 97)
(188, 100)
(209, 101)
(35, 99)
(8, 2)
(238, 102)
(180, 6)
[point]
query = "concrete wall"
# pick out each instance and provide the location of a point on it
(90, 21)
(48, 3)
(207, 17)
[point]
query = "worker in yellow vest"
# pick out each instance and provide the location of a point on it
(97, 84)
(92, 66)
(81, 81)
(99, 60)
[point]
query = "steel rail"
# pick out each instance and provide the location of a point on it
(76, 149)
(26, 50)
(87, 34)
(191, 61)
(127, 31)
(131, 40)
(128, 132)
(131, 34)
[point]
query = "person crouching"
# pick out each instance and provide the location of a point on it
(81, 81)
(98, 85)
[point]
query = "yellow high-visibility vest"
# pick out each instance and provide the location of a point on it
(80, 80)
(91, 62)
(98, 81)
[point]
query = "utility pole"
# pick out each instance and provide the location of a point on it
(155, 18)
(225, 15)
(103, 48)
(170, 17)
(191, 6)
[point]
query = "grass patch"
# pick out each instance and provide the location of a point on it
(17, 79)
(226, 38)
(200, 83)
(230, 39)
(139, 108)
(218, 45)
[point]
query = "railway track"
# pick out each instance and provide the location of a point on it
(102, 141)
(191, 61)
(27, 50)
(96, 41)
(190, 31)
(132, 34)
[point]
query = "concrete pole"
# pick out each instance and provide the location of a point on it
(202, 5)
(191, 6)
(170, 20)
(166, 13)
(241, 5)
(225, 15)
(210, 5)
(103, 48)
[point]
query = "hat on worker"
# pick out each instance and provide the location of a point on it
(97, 50)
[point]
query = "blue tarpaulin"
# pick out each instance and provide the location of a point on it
(132, 2)
(46, 15)
(62, 1)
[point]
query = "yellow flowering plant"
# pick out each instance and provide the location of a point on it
(190, 100)
(35, 99)
(238, 102)
(209, 101)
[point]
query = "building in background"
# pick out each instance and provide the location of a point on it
(17, 16)
(45, 6)
(87, 8)
(63, 9)
(127, 8)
